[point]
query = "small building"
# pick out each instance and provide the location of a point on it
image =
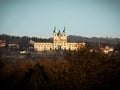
(13, 45)
(31, 45)
(107, 49)
(59, 42)
(2, 43)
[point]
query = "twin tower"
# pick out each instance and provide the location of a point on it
(59, 39)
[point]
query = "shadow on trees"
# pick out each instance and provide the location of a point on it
(80, 70)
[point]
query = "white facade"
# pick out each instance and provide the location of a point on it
(107, 49)
(43, 46)
(59, 42)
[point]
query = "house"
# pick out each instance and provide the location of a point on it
(2, 43)
(107, 49)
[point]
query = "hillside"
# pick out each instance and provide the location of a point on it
(71, 38)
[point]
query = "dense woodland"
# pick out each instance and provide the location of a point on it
(79, 70)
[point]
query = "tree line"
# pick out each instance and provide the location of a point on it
(79, 70)
(22, 41)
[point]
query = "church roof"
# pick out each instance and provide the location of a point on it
(64, 30)
(59, 33)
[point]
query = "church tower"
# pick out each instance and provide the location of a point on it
(64, 39)
(64, 35)
(59, 39)
(54, 38)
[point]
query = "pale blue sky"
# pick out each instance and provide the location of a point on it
(89, 18)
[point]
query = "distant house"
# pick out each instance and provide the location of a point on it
(2, 43)
(13, 45)
(107, 49)
(31, 45)
(59, 42)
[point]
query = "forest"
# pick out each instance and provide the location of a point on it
(78, 70)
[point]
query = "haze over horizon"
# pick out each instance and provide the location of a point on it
(37, 18)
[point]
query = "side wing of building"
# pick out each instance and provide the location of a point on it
(43, 46)
(75, 46)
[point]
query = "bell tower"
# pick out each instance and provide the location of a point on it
(59, 39)
(54, 39)
(64, 35)
(54, 34)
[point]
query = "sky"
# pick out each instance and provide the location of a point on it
(37, 18)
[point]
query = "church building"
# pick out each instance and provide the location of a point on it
(59, 43)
